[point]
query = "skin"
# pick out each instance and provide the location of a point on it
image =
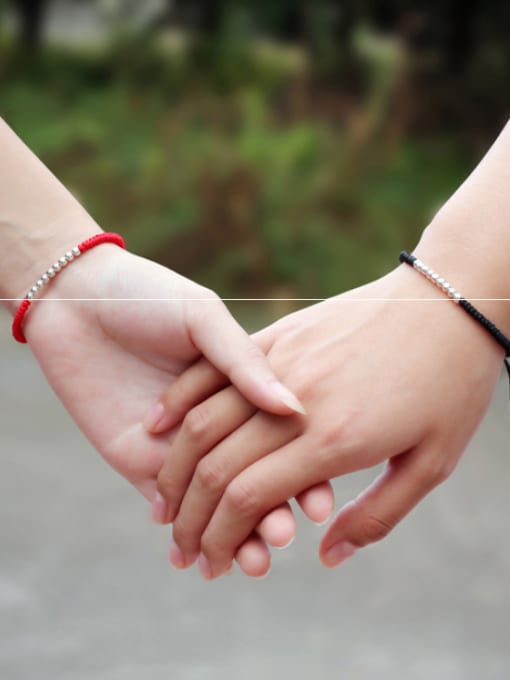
(106, 357)
(393, 372)
(374, 392)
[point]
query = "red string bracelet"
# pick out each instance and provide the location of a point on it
(56, 268)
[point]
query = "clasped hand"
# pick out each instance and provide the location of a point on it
(384, 375)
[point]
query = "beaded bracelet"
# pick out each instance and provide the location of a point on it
(445, 287)
(56, 268)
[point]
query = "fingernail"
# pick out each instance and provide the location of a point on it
(282, 547)
(324, 521)
(338, 553)
(154, 416)
(205, 567)
(261, 578)
(159, 508)
(287, 397)
(176, 556)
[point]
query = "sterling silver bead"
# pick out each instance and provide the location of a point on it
(51, 272)
(69, 256)
(45, 277)
(62, 261)
(56, 267)
(76, 251)
(34, 289)
(29, 295)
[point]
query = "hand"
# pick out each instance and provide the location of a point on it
(382, 379)
(106, 359)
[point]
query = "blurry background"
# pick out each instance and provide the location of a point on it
(270, 148)
(264, 148)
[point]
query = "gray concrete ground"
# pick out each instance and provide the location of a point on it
(86, 593)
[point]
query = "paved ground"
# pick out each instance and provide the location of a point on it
(85, 591)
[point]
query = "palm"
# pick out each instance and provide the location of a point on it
(107, 360)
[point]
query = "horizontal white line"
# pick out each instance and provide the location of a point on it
(342, 299)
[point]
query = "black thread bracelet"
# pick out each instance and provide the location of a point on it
(457, 298)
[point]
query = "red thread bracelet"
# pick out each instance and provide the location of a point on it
(88, 244)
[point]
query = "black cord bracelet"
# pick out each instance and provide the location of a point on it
(456, 297)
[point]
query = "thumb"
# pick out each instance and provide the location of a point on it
(218, 336)
(406, 479)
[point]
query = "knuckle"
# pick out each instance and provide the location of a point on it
(342, 431)
(433, 469)
(211, 545)
(342, 436)
(250, 355)
(243, 499)
(252, 352)
(182, 534)
(210, 475)
(165, 483)
(177, 400)
(374, 529)
(304, 387)
(197, 422)
(208, 294)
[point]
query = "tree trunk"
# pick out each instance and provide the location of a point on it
(31, 16)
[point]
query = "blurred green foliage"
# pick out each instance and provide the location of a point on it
(233, 161)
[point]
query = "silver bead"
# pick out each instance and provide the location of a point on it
(418, 264)
(62, 261)
(57, 267)
(76, 251)
(457, 296)
(34, 290)
(51, 272)
(40, 283)
(69, 256)
(45, 278)
(29, 295)
(435, 277)
(445, 285)
(440, 281)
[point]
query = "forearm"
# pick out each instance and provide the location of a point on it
(39, 218)
(468, 241)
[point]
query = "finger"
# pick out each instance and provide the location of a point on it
(318, 502)
(253, 557)
(229, 348)
(406, 479)
(192, 387)
(287, 472)
(278, 528)
(203, 428)
(215, 471)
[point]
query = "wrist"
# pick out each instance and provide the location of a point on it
(32, 255)
(472, 261)
(70, 300)
(39, 218)
(443, 318)
(468, 240)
